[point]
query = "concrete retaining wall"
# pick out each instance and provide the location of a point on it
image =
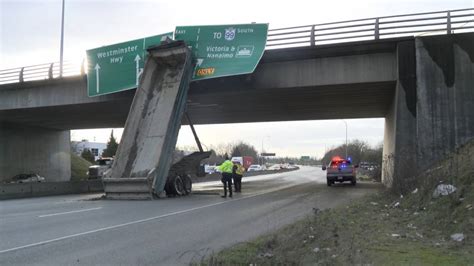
(27, 190)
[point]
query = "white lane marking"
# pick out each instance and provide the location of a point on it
(61, 213)
(139, 221)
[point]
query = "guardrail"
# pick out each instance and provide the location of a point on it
(40, 72)
(35, 189)
(439, 22)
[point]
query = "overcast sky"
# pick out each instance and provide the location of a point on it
(30, 34)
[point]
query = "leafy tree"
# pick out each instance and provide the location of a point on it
(296, 160)
(244, 149)
(358, 150)
(87, 154)
(111, 148)
(373, 155)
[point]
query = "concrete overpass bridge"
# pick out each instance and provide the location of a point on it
(422, 86)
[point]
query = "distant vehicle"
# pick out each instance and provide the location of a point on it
(27, 178)
(340, 170)
(254, 168)
(210, 169)
(245, 161)
(368, 166)
(275, 167)
(97, 171)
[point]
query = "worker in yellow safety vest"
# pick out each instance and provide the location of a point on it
(237, 173)
(226, 169)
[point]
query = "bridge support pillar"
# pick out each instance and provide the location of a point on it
(399, 154)
(25, 149)
(432, 113)
(445, 85)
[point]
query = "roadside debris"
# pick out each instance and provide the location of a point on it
(411, 226)
(395, 235)
(443, 190)
(316, 211)
(415, 191)
(316, 250)
(457, 237)
(374, 203)
(266, 255)
(396, 205)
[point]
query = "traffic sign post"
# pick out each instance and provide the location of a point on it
(224, 50)
(118, 67)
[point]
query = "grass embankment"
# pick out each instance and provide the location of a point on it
(79, 168)
(380, 229)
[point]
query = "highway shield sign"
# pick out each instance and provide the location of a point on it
(118, 67)
(224, 50)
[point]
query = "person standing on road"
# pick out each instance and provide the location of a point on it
(226, 170)
(237, 173)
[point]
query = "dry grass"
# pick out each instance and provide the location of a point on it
(381, 229)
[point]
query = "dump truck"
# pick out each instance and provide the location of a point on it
(179, 180)
(97, 171)
(144, 167)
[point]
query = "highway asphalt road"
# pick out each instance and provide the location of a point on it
(86, 230)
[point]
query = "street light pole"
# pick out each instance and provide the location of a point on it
(346, 135)
(262, 148)
(62, 44)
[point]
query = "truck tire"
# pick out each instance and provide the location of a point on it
(175, 186)
(187, 184)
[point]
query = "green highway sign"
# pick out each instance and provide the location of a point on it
(118, 67)
(224, 50)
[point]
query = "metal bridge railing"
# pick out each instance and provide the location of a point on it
(40, 72)
(440, 22)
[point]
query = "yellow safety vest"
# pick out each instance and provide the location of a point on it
(226, 167)
(240, 169)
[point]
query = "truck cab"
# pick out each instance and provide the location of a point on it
(98, 170)
(340, 170)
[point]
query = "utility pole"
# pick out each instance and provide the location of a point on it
(262, 148)
(62, 44)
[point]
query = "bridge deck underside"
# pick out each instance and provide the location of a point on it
(362, 100)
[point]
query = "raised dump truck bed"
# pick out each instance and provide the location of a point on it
(144, 157)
